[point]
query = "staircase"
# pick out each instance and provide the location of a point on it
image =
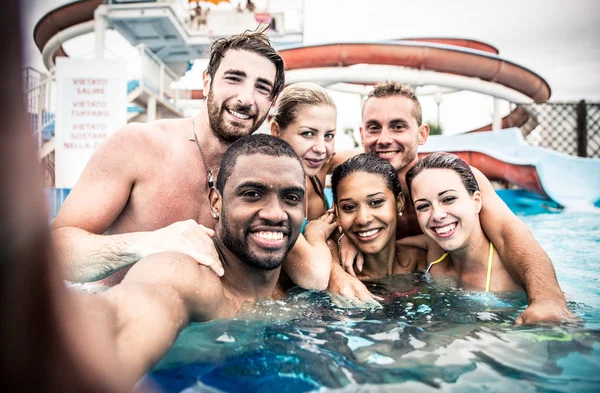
(150, 91)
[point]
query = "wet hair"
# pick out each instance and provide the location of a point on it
(295, 96)
(252, 41)
(249, 145)
(442, 160)
(393, 89)
(368, 163)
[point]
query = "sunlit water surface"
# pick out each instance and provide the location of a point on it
(426, 337)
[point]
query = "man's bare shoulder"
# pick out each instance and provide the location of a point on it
(171, 267)
(341, 156)
(127, 138)
(141, 139)
(148, 132)
(197, 285)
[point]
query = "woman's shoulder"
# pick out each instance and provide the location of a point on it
(429, 251)
(410, 257)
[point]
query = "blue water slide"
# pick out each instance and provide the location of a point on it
(48, 130)
(573, 182)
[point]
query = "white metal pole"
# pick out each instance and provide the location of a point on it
(438, 97)
(497, 118)
(151, 109)
(100, 26)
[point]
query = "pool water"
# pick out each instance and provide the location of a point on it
(425, 337)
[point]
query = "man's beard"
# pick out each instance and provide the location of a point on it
(229, 133)
(239, 247)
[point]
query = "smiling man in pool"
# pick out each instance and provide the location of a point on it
(258, 203)
(155, 178)
(99, 343)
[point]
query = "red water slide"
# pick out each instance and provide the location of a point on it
(61, 18)
(463, 57)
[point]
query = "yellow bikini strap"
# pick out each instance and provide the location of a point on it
(440, 259)
(488, 279)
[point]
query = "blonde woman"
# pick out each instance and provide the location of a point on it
(305, 116)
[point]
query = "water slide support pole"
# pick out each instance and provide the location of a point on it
(438, 97)
(100, 26)
(497, 117)
(151, 109)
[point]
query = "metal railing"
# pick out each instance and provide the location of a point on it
(135, 1)
(39, 98)
(199, 18)
(40, 102)
(155, 75)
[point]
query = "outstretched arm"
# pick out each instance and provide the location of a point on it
(419, 241)
(97, 201)
(523, 257)
(90, 257)
(345, 289)
(157, 298)
(406, 246)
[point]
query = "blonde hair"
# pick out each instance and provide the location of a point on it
(293, 97)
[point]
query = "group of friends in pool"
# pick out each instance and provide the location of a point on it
(187, 219)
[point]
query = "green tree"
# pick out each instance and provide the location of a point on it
(435, 129)
(350, 132)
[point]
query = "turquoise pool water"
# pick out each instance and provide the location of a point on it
(424, 338)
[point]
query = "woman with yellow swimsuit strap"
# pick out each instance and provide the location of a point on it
(447, 201)
(488, 278)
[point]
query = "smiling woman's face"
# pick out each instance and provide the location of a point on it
(446, 212)
(367, 211)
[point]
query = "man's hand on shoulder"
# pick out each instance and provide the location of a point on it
(349, 255)
(319, 230)
(187, 237)
(410, 257)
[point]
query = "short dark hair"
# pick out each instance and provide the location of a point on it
(253, 41)
(393, 89)
(368, 163)
(249, 145)
(442, 160)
